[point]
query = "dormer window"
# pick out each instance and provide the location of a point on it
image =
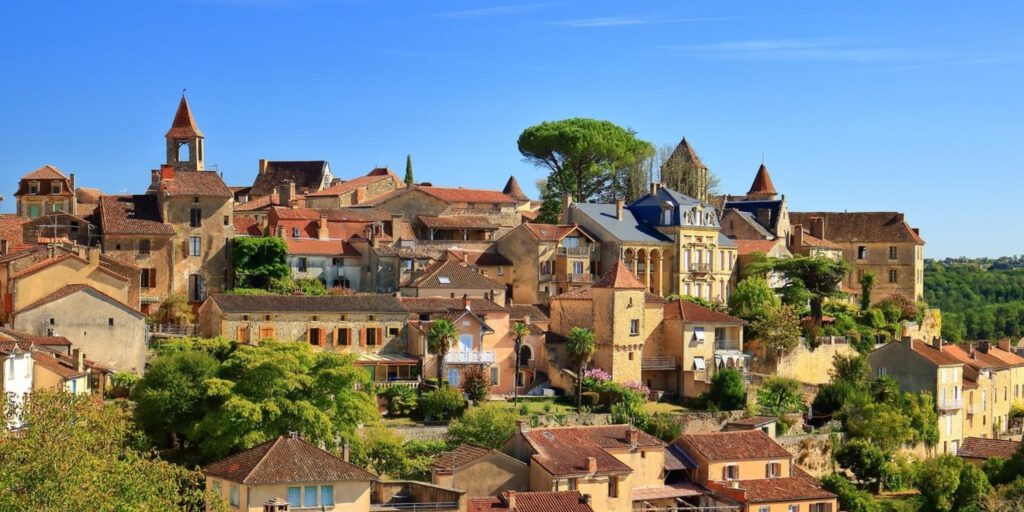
(444, 280)
(295, 232)
(56, 187)
(33, 187)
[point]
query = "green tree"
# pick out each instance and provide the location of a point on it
(727, 391)
(865, 460)
(973, 487)
(940, 479)
(172, 395)
(440, 338)
(778, 395)
(885, 389)
(580, 348)
(408, 171)
(476, 384)
(442, 404)
(867, 282)
(586, 158)
(885, 425)
(778, 329)
(751, 298)
(488, 425)
(519, 331)
(259, 260)
(820, 277)
(851, 499)
(854, 369)
(382, 451)
(174, 310)
(78, 454)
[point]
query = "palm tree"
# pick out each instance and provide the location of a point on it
(520, 330)
(580, 348)
(440, 338)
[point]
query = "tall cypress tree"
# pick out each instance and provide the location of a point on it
(408, 170)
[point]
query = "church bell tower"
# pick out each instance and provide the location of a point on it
(184, 140)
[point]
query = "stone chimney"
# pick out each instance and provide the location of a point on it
(263, 166)
(1004, 344)
(909, 341)
(4, 249)
(983, 347)
(166, 172)
(619, 206)
(346, 452)
(797, 236)
(286, 191)
(79, 359)
(937, 342)
(71, 178)
(654, 187)
(817, 227)
(94, 257)
(591, 465)
(322, 231)
(521, 426)
(510, 500)
(633, 435)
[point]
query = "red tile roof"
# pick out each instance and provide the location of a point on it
(184, 125)
(345, 187)
(367, 302)
(442, 305)
(762, 182)
(460, 456)
(479, 258)
(452, 274)
(132, 215)
(308, 176)
(10, 230)
(564, 451)
(285, 460)
(861, 226)
(547, 501)
(619, 277)
(676, 490)
(9, 339)
(467, 195)
(247, 225)
(745, 247)
(196, 183)
(932, 354)
(970, 356)
(1007, 357)
(513, 190)
(63, 369)
(534, 311)
(46, 172)
(798, 487)
(688, 311)
(307, 246)
(979, 448)
(732, 445)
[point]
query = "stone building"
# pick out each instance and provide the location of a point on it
(376, 183)
(451, 278)
(134, 232)
(306, 175)
(548, 259)
(760, 214)
(691, 346)
(45, 190)
(112, 333)
(671, 242)
(371, 327)
(479, 471)
(879, 242)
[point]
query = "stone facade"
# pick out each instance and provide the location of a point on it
(45, 190)
(548, 260)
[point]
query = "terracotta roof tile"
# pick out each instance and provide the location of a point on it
(443, 304)
(798, 487)
(534, 311)
(973, 357)
(1007, 357)
(584, 293)
(619, 277)
(46, 172)
(285, 460)
(196, 183)
(70, 289)
(549, 232)
(547, 501)
(848, 227)
(467, 195)
(452, 274)
(745, 247)
(345, 187)
(247, 225)
(370, 302)
(308, 246)
(308, 175)
(565, 451)
(480, 258)
(9, 339)
(513, 190)
(979, 448)
(460, 456)
(668, 491)
(733, 445)
(685, 310)
(61, 368)
(132, 215)
(762, 182)
(184, 125)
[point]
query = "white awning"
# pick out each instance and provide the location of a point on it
(698, 363)
(698, 333)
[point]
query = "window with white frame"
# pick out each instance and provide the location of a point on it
(634, 327)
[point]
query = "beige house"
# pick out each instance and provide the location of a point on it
(452, 279)
(369, 326)
(44, 191)
(692, 345)
(292, 471)
(918, 366)
(134, 232)
(748, 468)
(990, 375)
(479, 471)
(112, 333)
(72, 373)
(548, 259)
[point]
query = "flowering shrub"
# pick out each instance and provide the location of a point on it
(638, 387)
(597, 374)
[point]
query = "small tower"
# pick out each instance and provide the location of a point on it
(762, 188)
(184, 140)
(684, 172)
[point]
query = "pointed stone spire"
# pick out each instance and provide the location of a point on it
(683, 171)
(685, 151)
(619, 277)
(762, 187)
(513, 190)
(184, 125)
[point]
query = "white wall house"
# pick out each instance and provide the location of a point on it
(16, 371)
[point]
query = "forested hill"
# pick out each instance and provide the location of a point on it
(980, 298)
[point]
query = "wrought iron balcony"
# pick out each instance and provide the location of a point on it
(728, 345)
(470, 357)
(659, 363)
(700, 268)
(574, 251)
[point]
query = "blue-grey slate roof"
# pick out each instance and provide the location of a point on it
(629, 229)
(751, 207)
(649, 207)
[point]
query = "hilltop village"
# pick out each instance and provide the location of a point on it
(327, 339)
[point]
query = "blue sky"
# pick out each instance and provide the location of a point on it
(911, 106)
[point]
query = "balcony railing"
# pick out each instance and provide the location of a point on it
(700, 268)
(573, 251)
(659, 363)
(174, 330)
(446, 505)
(579, 278)
(470, 357)
(728, 345)
(951, 405)
(397, 384)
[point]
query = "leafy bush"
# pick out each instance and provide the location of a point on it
(851, 499)
(662, 425)
(442, 404)
(401, 400)
(779, 395)
(489, 425)
(591, 399)
(123, 383)
(727, 393)
(476, 384)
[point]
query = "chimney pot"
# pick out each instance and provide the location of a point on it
(263, 165)
(634, 437)
(654, 187)
(591, 465)
(510, 499)
(1004, 344)
(521, 426)
(817, 227)
(937, 342)
(166, 172)
(346, 452)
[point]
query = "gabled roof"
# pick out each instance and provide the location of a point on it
(798, 487)
(132, 215)
(1007, 357)
(285, 460)
(184, 125)
(452, 274)
(316, 247)
(513, 190)
(629, 229)
(973, 357)
(748, 209)
(762, 182)
(479, 258)
(48, 261)
(648, 209)
(345, 187)
(690, 312)
(462, 455)
(541, 501)
(732, 445)
(980, 448)
(11, 339)
(564, 451)
(467, 195)
(444, 304)
(370, 302)
(762, 246)
(196, 183)
(684, 154)
(71, 289)
(619, 277)
(927, 352)
(534, 311)
(46, 172)
(852, 227)
(553, 232)
(811, 241)
(63, 369)
(306, 174)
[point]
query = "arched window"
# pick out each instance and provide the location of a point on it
(183, 152)
(525, 354)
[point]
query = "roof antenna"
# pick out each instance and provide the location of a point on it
(183, 91)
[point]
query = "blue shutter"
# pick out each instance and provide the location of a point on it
(327, 495)
(309, 500)
(295, 496)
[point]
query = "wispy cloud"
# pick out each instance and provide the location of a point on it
(620, 21)
(800, 49)
(488, 12)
